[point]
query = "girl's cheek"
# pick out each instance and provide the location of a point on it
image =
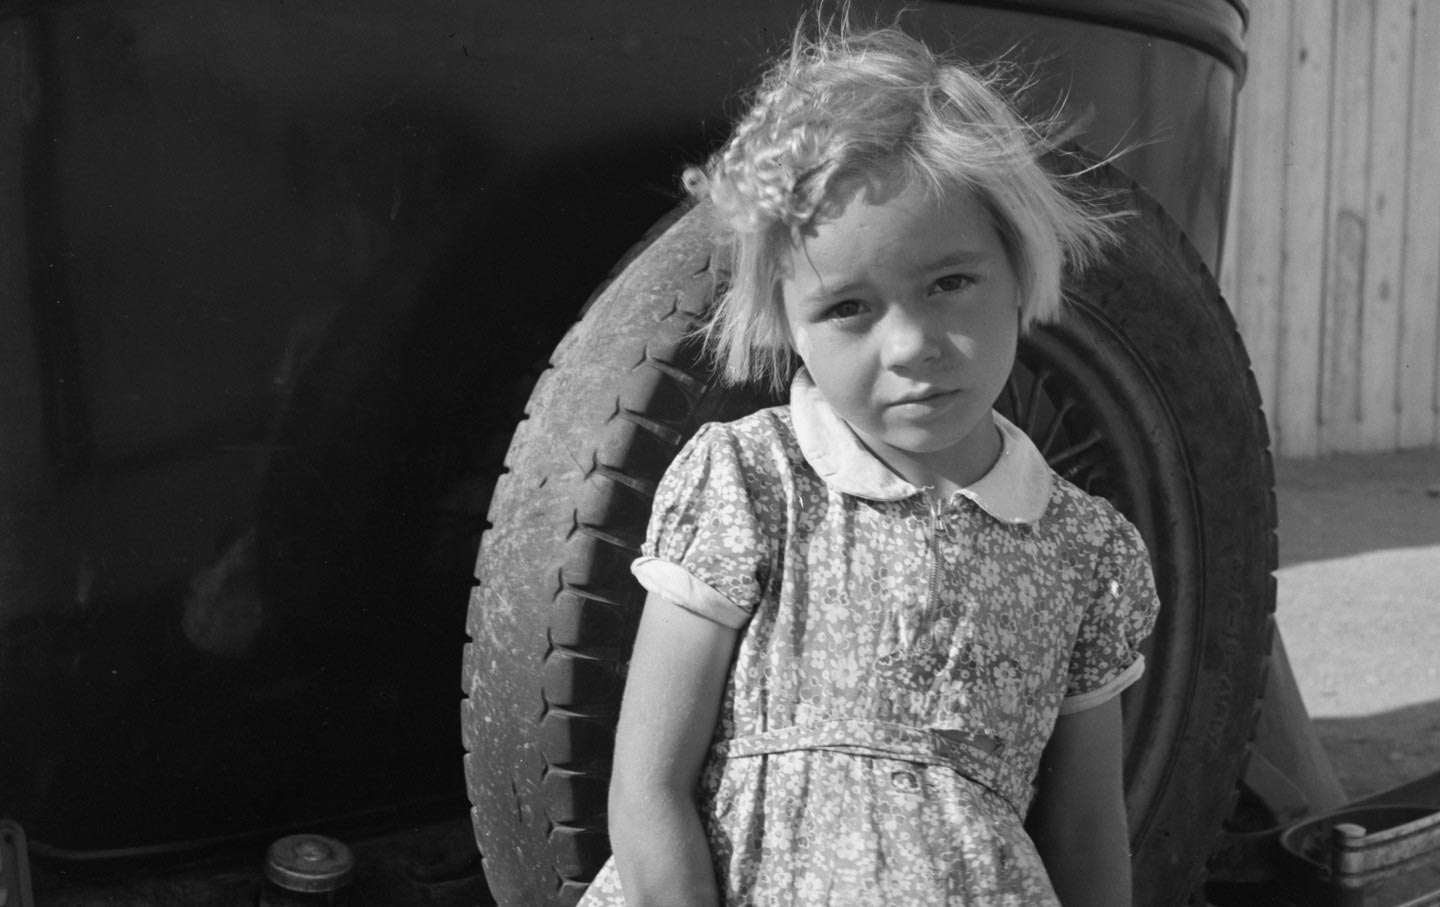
(801, 341)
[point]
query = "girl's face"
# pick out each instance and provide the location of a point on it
(906, 310)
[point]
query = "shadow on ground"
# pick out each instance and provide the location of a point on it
(1347, 505)
(1372, 753)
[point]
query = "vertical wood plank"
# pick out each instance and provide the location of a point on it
(1357, 344)
(1385, 221)
(1417, 374)
(1306, 213)
(1340, 400)
(1257, 265)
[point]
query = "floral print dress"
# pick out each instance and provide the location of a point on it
(902, 662)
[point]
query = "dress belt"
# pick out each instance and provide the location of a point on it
(974, 756)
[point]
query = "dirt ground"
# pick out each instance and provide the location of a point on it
(1359, 609)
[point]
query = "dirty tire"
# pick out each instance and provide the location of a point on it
(1142, 394)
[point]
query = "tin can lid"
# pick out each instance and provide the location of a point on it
(309, 863)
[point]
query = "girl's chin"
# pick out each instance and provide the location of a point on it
(927, 434)
(921, 442)
(970, 449)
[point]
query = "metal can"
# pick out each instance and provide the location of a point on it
(306, 870)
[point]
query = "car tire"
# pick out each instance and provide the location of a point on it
(1141, 393)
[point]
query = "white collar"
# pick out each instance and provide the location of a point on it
(1015, 490)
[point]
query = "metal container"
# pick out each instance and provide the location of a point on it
(1345, 857)
(307, 870)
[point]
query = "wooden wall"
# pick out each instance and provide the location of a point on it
(1332, 261)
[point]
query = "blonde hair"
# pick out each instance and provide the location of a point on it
(846, 104)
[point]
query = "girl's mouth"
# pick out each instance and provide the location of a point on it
(930, 397)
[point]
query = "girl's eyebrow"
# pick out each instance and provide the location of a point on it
(825, 292)
(956, 258)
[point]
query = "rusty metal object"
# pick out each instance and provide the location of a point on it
(1352, 850)
(1379, 852)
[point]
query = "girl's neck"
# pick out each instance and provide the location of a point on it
(941, 473)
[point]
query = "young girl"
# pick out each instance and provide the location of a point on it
(880, 631)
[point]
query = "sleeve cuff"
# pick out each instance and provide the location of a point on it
(1111, 688)
(680, 587)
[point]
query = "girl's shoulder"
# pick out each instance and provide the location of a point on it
(762, 443)
(1091, 516)
(749, 464)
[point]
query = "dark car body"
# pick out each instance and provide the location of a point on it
(272, 278)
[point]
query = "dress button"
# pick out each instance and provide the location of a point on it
(905, 780)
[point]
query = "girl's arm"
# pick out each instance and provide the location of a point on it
(1078, 819)
(672, 697)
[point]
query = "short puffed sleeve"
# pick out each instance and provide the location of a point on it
(705, 549)
(1119, 616)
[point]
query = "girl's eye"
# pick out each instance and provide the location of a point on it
(951, 283)
(848, 308)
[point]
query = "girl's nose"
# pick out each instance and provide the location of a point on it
(911, 338)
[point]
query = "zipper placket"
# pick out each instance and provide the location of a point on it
(927, 616)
